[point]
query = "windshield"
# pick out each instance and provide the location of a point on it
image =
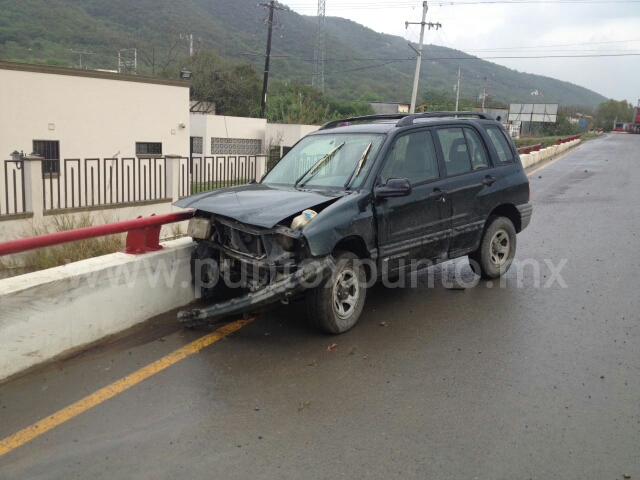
(306, 165)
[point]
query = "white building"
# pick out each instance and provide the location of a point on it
(116, 146)
(71, 113)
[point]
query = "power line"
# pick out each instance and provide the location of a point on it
(539, 56)
(360, 6)
(553, 46)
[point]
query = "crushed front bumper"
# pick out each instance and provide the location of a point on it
(309, 274)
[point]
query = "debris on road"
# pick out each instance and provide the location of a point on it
(331, 347)
(384, 324)
(303, 405)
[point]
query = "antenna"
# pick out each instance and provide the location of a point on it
(318, 55)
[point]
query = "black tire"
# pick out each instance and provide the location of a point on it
(323, 313)
(497, 249)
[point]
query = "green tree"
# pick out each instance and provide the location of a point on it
(299, 103)
(611, 111)
(234, 87)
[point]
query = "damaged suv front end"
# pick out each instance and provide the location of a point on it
(264, 265)
(252, 249)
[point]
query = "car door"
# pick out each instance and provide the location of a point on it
(468, 185)
(417, 226)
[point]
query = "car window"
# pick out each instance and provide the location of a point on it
(501, 144)
(477, 152)
(454, 149)
(413, 157)
(304, 165)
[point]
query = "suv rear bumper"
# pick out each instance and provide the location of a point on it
(526, 210)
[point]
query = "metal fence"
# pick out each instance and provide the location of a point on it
(13, 200)
(101, 181)
(96, 182)
(199, 174)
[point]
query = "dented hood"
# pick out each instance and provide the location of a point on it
(257, 204)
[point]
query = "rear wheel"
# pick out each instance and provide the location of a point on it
(497, 249)
(335, 305)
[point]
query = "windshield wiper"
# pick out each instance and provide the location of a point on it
(360, 164)
(317, 166)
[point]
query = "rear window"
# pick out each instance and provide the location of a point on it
(454, 149)
(501, 144)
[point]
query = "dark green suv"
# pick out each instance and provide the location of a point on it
(361, 199)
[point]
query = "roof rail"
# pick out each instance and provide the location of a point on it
(408, 119)
(391, 116)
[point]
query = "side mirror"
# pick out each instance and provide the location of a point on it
(395, 187)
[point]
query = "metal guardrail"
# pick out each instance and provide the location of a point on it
(529, 148)
(536, 148)
(143, 234)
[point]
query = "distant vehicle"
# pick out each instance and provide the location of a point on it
(359, 199)
(635, 125)
(621, 127)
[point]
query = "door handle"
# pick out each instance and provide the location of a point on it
(488, 180)
(438, 195)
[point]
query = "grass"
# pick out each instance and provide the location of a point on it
(58, 255)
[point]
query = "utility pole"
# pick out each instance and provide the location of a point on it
(80, 54)
(458, 90)
(265, 82)
(127, 64)
(484, 93)
(189, 39)
(423, 23)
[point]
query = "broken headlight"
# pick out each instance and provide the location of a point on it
(199, 228)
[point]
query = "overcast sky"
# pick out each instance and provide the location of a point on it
(504, 28)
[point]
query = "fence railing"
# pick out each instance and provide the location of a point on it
(13, 199)
(100, 181)
(200, 174)
(26, 186)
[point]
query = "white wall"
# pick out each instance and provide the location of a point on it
(54, 312)
(91, 117)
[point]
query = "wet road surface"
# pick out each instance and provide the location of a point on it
(492, 382)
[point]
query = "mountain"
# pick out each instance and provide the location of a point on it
(46, 31)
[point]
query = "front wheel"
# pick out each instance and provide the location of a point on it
(497, 249)
(335, 305)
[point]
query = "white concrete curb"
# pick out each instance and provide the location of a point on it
(52, 312)
(546, 153)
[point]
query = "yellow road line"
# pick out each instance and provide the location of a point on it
(29, 433)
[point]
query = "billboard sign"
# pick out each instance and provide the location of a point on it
(533, 112)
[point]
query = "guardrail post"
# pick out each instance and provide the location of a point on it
(173, 177)
(143, 240)
(33, 193)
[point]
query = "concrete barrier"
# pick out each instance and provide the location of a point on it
(546, 153)
(50, 313)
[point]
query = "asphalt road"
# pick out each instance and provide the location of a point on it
(505, 382)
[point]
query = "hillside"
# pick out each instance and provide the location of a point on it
(41, 31)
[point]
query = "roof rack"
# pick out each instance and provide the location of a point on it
(408, 119)
(405, 119)
(391, 116)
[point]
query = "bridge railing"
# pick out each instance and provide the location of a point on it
(143, 234)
